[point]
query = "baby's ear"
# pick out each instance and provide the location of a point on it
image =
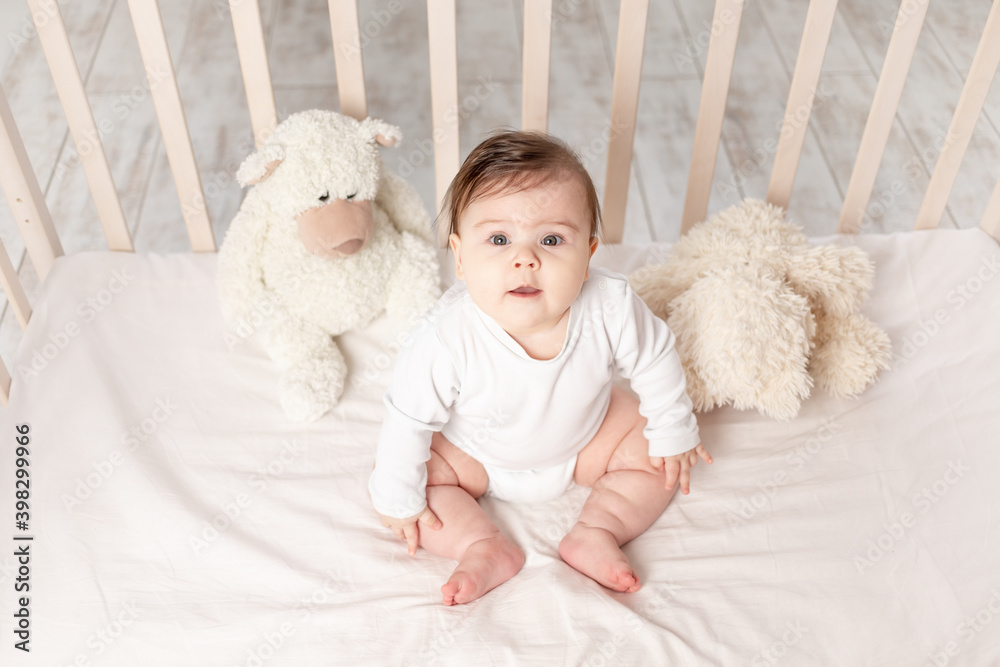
(593, 249)
(456, 248)
(381, 132)
(260, 164)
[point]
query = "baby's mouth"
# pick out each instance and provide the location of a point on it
(525, 290)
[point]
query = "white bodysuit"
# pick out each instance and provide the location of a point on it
(525, 419)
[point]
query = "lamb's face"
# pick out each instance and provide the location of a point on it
(322, 175)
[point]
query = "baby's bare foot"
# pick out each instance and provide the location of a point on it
(485, 565)
(595, 553)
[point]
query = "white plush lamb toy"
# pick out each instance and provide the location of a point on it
(760, 313)
(323, 243)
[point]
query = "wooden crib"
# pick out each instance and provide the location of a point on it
(161, 510)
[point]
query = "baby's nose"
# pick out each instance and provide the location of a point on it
(525, 259)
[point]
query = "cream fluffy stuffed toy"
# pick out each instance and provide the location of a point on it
(760, 314)
(322, 244)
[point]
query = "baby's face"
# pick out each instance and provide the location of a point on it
(524, 255)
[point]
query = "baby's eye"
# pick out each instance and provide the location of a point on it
(499, 239)
(326, 195)
(350, 197)
(552, 239)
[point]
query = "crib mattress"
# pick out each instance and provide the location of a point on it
(177, 518)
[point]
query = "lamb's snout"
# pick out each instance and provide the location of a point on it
(338, 229)
(349, 247)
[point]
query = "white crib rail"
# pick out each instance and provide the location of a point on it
(253, 63)
(624, 108)
(4, 384)
(80, 117)
(902, 45)
(22, 309)
(711, 109)
(535, 69)
(977, 85)
(535, 65)
(805, 79)
(13, 289)
(24, 196)
(347, 58)
(443, 43)
(991, 218)
(173, 124)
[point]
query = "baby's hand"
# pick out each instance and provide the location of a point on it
(406, 529)
(679, 465)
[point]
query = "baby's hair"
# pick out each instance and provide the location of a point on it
(512, 161)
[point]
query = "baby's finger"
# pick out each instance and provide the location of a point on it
(428, 518)
(656, 462)
(412, 537)
(672, 471)
(703, 453)
(685, 480)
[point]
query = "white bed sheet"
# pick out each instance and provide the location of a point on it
(860, 533)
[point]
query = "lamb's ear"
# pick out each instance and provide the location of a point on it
(260, 164)
(381, 132)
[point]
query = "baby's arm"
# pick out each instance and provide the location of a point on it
(647, 356)
(423, 388)
(398, 484)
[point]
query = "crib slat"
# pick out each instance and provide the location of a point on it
(347, 55)
(13, 289)
(812, 49)
(977, 85)
(256, 71)
(155, 53)
(535, 65)
(80, 117)
(624, 107)
(902, 45)
(712, 109)
(991, 218)
(25, 195)
(4, 384)
(444, 97)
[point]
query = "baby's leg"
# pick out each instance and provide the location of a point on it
(485, 558)
(628, 495)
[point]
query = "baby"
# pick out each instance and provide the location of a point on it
(505, 388)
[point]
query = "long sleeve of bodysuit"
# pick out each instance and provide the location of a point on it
(646, 356)
(424, 386)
